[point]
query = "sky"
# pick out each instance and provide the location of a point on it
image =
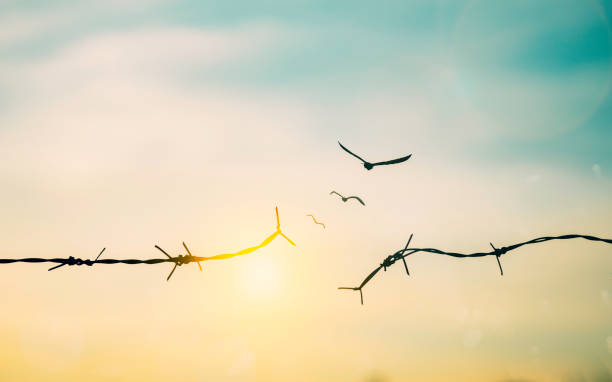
(129, 124)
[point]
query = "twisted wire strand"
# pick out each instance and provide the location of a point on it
(177, 260)
(497, 252)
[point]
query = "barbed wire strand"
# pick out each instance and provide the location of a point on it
(177, 260)
(497, 252)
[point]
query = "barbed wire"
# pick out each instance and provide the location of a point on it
(177, 260)
(497, 252)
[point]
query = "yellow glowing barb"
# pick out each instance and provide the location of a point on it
(189, 258)
(252, 249)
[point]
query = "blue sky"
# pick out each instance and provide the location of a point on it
(334, 53)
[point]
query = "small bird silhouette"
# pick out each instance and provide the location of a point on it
(315, 220)
(347, 198)
(369, 165)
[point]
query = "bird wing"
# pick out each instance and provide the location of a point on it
(315, 220)
(350, 152)
(358, 199)
(334, 192)
(393, 161)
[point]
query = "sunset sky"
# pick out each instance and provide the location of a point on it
(126, 125)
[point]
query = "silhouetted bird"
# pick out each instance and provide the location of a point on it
(347, 198)
(369, 165)
(315, 220)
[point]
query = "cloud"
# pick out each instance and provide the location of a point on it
(111, 108)
(113, 127)
(117, 93)
(17, 27)
(21, 25)
(148, 54)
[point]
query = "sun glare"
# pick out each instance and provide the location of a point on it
(262, 277)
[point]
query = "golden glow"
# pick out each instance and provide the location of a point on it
(261, 278)
(246, 251)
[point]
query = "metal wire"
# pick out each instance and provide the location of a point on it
(497, 252)
(177, 260)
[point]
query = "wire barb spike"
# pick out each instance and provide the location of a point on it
(71, 260)
(404, 256)
(172, 271)
(99, 254)
(189, 253)
(162, 251)
(278, 230)
(497, 255)
(497, 252)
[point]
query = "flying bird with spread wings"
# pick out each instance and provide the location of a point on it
(315, 220)
(348, 197)
(369, 165)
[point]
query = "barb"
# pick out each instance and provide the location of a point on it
(177, 260)
(497, 255)
(497, 252)
(74, 261)
(403, 259)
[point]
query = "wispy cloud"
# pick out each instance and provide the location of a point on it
(155, 54)
(17, 27)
